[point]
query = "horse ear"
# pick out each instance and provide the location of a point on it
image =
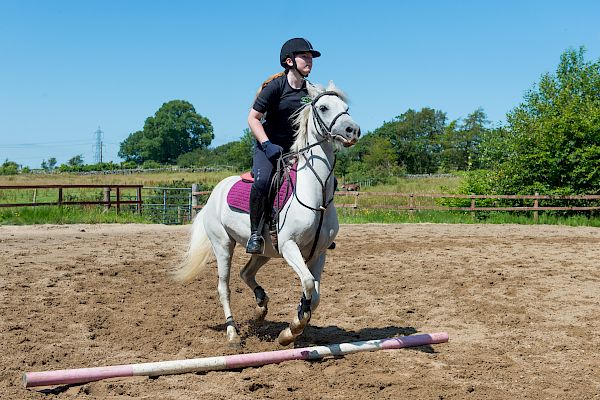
(313, 90)
(331, 87)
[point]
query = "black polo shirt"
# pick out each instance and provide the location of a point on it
(278, 101)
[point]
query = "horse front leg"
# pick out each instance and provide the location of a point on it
(291, 253)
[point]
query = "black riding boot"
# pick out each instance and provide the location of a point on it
(257, 208)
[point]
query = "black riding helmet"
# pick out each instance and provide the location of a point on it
(293, 46)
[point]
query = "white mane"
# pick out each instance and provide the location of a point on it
(302, 118)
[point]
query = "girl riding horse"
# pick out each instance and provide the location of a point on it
(270, 121)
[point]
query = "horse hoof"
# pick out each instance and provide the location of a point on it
(260, 313)
(285, 337)
(233, 339)
(234, 342)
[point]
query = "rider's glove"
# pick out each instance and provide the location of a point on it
(272, 151)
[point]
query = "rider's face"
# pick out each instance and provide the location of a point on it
(303, 62)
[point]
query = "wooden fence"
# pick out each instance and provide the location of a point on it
(344, 199)
(431, 201)
(107, 198)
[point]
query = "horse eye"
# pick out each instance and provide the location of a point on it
(323, 108)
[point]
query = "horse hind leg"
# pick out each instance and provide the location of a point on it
(248, 275)
(223, 255)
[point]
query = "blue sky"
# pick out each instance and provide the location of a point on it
(67, 67)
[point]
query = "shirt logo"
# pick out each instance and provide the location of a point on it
(306, 100)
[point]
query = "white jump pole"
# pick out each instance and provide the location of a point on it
(82, 375)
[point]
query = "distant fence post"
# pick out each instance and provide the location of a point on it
(536, 205)
(60, 196)
(107, 198)
(194, 201)
(118, 199)
(139, 199)
(411, 204)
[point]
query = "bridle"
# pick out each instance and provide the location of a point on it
(325, 130)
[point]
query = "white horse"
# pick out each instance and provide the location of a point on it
(307, 224)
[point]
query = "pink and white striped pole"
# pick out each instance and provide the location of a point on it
(82, 375)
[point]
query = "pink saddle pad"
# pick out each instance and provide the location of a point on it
(239, 195)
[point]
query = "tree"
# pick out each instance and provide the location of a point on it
(381, 157)
(373, 158)
(494, 148)
(76, 161)
(241, 153)
(555, 132)
(551, 143)
(349, 163)
(48, 165)
(175, 129)
(461, 142)
(236, 154)
(51, 163)
(415, 136)
(134, 148)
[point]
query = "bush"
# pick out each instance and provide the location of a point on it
(9, 168)
(151, 164)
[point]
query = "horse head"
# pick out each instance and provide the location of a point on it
(326, 117)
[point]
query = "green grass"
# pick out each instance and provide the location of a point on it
(134, 178)
(50, 195)
(66, 215)
(365, 216)
(433, 184)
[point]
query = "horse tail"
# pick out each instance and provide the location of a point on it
(198, 253)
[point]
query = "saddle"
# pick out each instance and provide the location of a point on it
(238, 197)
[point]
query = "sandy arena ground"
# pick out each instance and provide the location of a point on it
(520, 303)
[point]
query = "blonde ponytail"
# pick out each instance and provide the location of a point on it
(266, 82)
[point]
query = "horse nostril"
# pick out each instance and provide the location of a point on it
(349, 129)
(358, 133)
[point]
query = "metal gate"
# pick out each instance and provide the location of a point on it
(167, 205)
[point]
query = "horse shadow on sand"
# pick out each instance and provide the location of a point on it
(268, 331)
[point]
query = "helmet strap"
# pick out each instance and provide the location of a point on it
(294, 66)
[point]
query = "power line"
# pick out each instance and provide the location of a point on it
(46, 144)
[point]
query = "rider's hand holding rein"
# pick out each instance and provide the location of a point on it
(272, 151)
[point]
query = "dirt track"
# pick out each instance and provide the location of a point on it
(521, 305)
